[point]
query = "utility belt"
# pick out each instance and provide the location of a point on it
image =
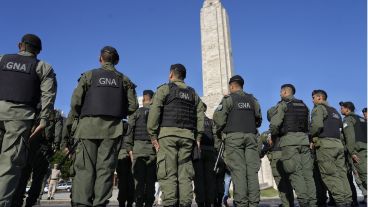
(54, 178)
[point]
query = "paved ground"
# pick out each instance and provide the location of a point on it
(62, 200)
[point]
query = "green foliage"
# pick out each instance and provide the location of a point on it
(269, 192)
(65, 168)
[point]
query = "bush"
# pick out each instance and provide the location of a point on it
(65, 168)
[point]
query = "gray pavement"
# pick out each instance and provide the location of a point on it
(63, 199)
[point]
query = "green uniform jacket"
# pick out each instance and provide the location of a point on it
(141, 148)
(291, 138)
(349, 133)
(319, 114)
(226, 105)
(90, 127)
(153, 123)
(16, 111)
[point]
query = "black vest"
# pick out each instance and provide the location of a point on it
(207, 138)
(140, 131)
(360, 129)
(19, 81)
(179, 108)
(242, 116)
(296, 117)
(331, 124)
(106, 95)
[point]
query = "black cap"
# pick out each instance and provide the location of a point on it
(348, 105)
(180, 69)
(32, 40)
(364, 110)
(110, 50)
(319, 91)
(148, 92)
(289, 86)
(238, 79)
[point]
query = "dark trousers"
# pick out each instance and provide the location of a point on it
(144, 173)
(205, 178)
(126, 182)
(37, 166)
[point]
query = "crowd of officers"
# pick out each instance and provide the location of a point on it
(171, 140)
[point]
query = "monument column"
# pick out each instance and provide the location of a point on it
(217, 66)
(217, 61)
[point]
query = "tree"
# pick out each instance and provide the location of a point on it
(64, 168)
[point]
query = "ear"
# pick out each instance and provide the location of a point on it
(100, 59)
(20, 46)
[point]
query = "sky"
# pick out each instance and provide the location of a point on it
(313, 44)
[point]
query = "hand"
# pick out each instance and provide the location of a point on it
(311, 145)
(131, 155)
(269, 139)
(355, 159)
(66, 150)
(38, 129)
(155, 144)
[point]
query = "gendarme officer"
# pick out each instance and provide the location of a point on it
(205, 182)
(175, 121)
(142, 153)
(237, 117)
(101, 100)
(326, 125)
(274, 156)
(291, 122)
(24, 81)
(355, 132)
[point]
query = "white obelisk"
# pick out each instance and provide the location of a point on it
(217, 61)
(217, 66)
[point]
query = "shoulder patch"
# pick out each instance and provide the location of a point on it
(82, 74)
(219, 107)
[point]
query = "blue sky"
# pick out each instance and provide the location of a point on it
(314, 44)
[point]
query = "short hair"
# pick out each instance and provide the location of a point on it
(347, 104)
(110, 54)
(320, 92)
(238, 80)
(32, 43)
(179, 71)
(148, 93)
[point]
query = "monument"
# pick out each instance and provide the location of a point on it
(217, 61)
(217, 66)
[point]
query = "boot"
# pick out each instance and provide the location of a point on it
(224, 201)
(148, 204)
(129, 204)
(198, 204)
(206, 204)
(364, 201)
